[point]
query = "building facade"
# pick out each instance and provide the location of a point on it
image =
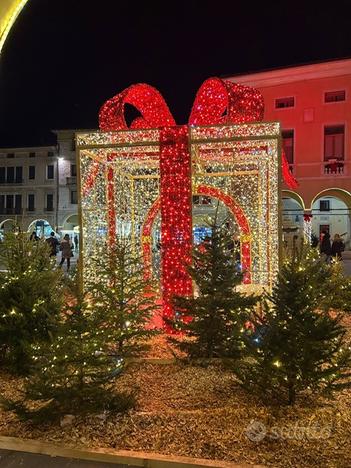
(313, 104)
(38, 188)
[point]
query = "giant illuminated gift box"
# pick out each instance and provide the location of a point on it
(132, 178)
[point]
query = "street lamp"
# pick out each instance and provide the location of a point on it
(58, 160)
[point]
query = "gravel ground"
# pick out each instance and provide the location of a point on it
(201, 412)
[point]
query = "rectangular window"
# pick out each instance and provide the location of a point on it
(73, 170)
(324, 205)
(10, 155)
(32, 155)
(288, 145)
(334, 142)
(282, 103)
(18, 204)
(19, 174)
(2, 204)
(2, 175)
(50, 154)
(50, 171)
(74, 199)
(9, 204)
(49, 202)
(31, 202)
(10, 175)
(31, 172)
(335, 96)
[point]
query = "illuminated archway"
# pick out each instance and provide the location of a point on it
(70, 220)
(234, 208)
(9, 11)
(331, 212)
(9, 221)
(42, 227)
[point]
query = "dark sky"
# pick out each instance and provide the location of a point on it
(64, 58)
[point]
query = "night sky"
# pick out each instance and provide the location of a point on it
(64, 58)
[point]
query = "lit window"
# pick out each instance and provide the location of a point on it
(334, 142)
(334, 96)
(282, 103)
(324, 205)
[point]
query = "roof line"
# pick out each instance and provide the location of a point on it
(284, 67)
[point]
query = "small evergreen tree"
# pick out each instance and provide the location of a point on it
(213, 319)
(30, 298)
(124, 298)
(74, 374)
(299, 343)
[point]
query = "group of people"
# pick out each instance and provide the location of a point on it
(66, 247)
(331, 249)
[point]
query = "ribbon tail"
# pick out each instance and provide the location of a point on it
(289, 179)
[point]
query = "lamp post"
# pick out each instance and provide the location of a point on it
(58, 159)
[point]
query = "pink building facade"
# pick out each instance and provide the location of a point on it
(313, 105)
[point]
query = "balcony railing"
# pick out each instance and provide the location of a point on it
(13, 181)
(334, 167)
(11, 211)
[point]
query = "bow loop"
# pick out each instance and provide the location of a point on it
(221, 101)
(146, 99)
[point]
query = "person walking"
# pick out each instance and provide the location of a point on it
(66, 249)
(76, 242)
(337, 247)
(53, 244)
(325, 246)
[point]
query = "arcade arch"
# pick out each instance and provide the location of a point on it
(293, 208)
(331, 212)
(42, 228)
(7, 225)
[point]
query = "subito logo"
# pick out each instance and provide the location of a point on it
(256, 431)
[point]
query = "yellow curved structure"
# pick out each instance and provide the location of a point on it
(9, 10)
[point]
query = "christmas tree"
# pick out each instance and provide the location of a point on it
(75, 373)
(30, 298)
(299, 342)
(212, 321)
(124, 298)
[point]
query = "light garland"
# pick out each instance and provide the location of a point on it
(129, 176)
(307, 227)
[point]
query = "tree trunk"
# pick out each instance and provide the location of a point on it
(292, 394)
